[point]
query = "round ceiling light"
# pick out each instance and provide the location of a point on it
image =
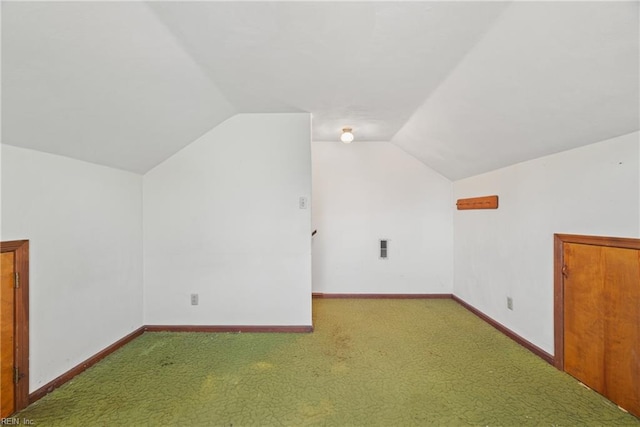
(347, 135)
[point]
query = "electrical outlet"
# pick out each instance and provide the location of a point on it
(194, 299)
(510, 303)
(302, 203)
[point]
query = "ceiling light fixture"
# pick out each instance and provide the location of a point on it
(347, 135)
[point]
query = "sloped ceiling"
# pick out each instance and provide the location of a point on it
(101, 82)
(546, 77)
(466, 87)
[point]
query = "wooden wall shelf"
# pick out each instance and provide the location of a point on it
(484, 202)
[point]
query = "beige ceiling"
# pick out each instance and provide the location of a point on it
(466, 87)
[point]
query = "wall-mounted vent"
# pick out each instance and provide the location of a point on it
(384, 248)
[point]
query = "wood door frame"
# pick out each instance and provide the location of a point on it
(558, 280)
(21, 263)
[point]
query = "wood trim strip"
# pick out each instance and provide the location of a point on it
(228, 328)
(614, 242)
(383, 296)
(558, 301)
(517, 338)
(21, 260)
(12, 245)
(67, 376)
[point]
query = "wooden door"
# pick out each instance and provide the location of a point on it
(601, 313)
(14, 326)
(7, 334)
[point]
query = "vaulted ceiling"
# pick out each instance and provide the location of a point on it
(465, 87)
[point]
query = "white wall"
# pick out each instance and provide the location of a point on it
(592, 190)
(83, 222)
(221, 219)
(367, 191)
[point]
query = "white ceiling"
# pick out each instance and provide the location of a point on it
(466, 87)
(101, 82)
(546, 77)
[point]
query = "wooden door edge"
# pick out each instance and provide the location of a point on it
(558, 301)
(21, 250)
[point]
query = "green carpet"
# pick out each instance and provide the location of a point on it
(369, 362)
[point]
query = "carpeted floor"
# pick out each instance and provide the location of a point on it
(369, 362)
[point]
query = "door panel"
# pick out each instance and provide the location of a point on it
(622, 325)
(584, 323)
(602, 320)
(7, 337)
